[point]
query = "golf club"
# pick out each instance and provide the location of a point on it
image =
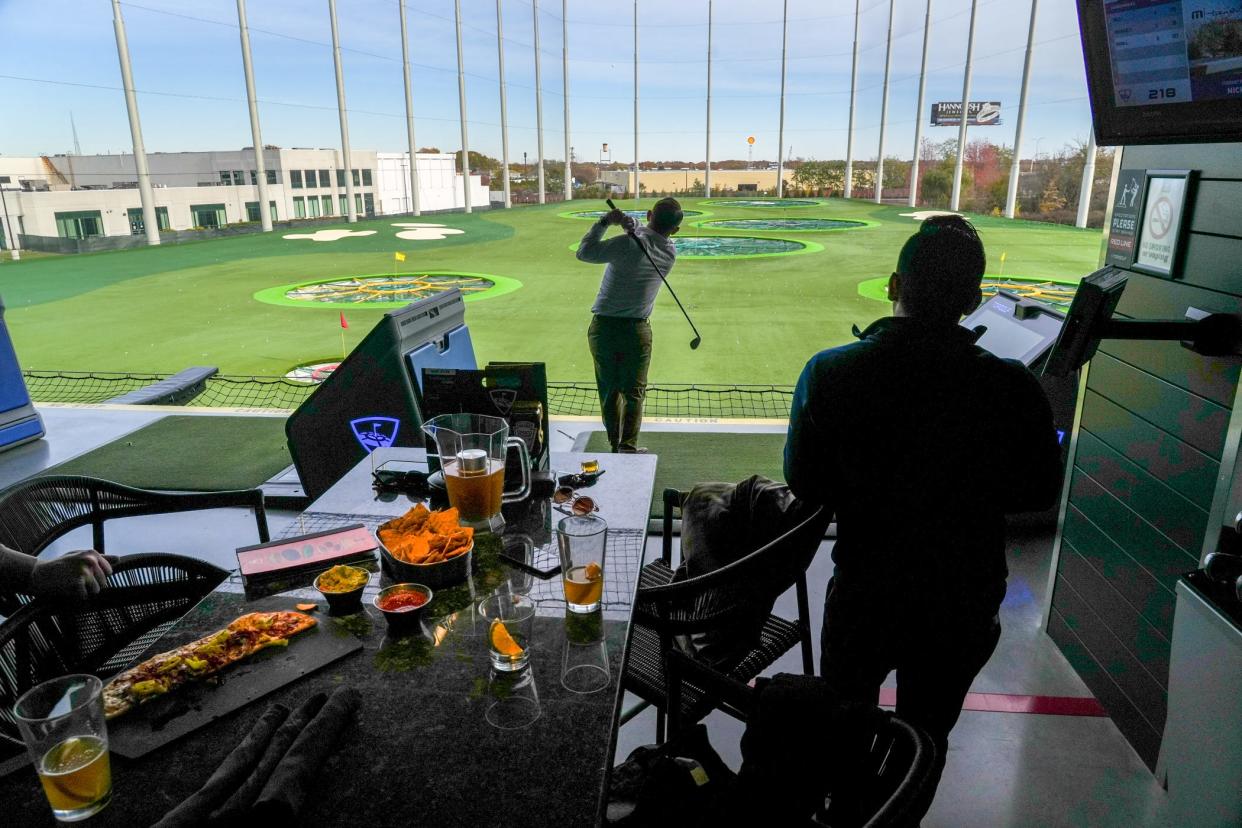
(698, 339)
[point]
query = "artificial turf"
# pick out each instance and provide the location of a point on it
(162, 309)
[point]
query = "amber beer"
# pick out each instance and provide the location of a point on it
(584, 585)
(76, 774)
(475, 485)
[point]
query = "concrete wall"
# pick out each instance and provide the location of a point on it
(439, 183)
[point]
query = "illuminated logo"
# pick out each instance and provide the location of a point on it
(375, 432)
(503, 399)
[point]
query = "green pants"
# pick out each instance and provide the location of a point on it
(621, 349)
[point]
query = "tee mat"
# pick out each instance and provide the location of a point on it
(191, 706)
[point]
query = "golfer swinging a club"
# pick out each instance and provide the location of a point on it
(620, 336)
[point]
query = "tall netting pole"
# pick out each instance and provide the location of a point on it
(848, 189)
(504, 105)
(409, 112)
(1011, 198)
(538, 103)
(351, 213)
(780, 144)
(707, 172)
(637, 188)
(149, 220)
(1088, 181)
(260, 168)
(918, 113)
(461, 108)
(888, 65)
(569, 150)
(956, 200)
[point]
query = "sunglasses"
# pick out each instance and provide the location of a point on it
(579, 505)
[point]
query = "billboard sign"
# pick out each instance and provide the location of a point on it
(981, 113)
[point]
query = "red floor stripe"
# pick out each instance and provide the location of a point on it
(1016, 703)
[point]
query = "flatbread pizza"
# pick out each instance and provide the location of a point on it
(165, 672)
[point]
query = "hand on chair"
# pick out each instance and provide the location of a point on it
(74, 575)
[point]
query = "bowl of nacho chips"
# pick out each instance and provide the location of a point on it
(426, 547)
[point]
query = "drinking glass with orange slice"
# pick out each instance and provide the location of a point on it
(510, 618)
(582, 541)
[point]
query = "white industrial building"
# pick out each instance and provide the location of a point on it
(82, 196)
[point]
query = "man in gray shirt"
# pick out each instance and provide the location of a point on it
(620, 336)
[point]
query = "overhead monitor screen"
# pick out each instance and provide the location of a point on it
(1174, 51)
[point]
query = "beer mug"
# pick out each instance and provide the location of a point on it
(472, 449)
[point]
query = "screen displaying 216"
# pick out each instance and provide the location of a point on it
(1175, 51)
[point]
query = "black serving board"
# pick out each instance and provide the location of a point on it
(186, 709)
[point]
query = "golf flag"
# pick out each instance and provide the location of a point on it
(344, 324)
(1002, 267)
(399, 256)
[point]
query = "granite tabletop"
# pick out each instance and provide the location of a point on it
(422, 750)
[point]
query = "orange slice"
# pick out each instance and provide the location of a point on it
(594, 571)
(502, 642)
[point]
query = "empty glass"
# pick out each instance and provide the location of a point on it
(512, 699)
(584, 660)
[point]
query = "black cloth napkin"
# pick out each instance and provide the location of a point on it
(235, 768)
(291, 783)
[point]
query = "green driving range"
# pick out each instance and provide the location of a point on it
(763, 299)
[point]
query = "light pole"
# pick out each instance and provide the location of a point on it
(1036, 156)
(15, 251)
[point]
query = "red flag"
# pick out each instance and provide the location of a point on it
(344, 324)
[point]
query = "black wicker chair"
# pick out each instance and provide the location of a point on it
(143, 597)
(665, 609)
(898, 772)
(38, 510)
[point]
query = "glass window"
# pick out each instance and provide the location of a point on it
(224, 177)
(344, 205)
(357, 182)
(254, 177)
(238, 178)
(368, 201)
(340, 179)
(327, 205)
(299, 207)
(295, 179)
(272, 205)
(357, 203)
(81, 224)
(271, 176)
(312, 206)
(311, 180)
(325, 179)
(138, 225)
(366, 178)
(208, 215)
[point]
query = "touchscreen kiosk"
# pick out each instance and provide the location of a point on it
(1015, 328)
(372, 399)
(1093, 306)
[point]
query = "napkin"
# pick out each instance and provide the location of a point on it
(291, 782)
(246, 792)
(236, 767)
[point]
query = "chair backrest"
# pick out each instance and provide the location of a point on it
(143, 598)
(739, 590)
(38, 510)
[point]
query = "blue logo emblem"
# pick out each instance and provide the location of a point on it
(375, 432)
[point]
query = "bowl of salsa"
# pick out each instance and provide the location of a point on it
(403, 604)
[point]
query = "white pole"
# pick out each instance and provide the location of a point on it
(1088, 180)
(538, 102)
(569, 173)
(351, 212)
(1011, 198)
(461, 109)
(918, 115)
(265, 214)
(956, 199)
(849, 139)
(409, 113)
(707, 174)
(780, 145)
(504, 106)
(637, 189)
(150, 223)
(888, 64)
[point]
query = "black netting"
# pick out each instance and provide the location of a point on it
(763, 202)
(784, 224)
(696, 246)
(564, 398)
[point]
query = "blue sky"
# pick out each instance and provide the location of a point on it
(59, 56)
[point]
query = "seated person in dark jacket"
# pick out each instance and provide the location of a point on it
(920, 442)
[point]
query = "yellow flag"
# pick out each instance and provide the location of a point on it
(399, 256)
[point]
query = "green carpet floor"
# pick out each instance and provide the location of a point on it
(192, 454)
(686, 458)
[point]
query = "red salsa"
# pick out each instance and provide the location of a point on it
(402, 601)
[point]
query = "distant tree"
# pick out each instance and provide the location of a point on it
(429, 149)
(896, 172)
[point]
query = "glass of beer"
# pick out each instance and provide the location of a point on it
(62, 723)
(582, 540)
(470, 450)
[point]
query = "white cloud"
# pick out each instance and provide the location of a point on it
(330, 235)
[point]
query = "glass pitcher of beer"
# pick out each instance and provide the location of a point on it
(472, 449)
